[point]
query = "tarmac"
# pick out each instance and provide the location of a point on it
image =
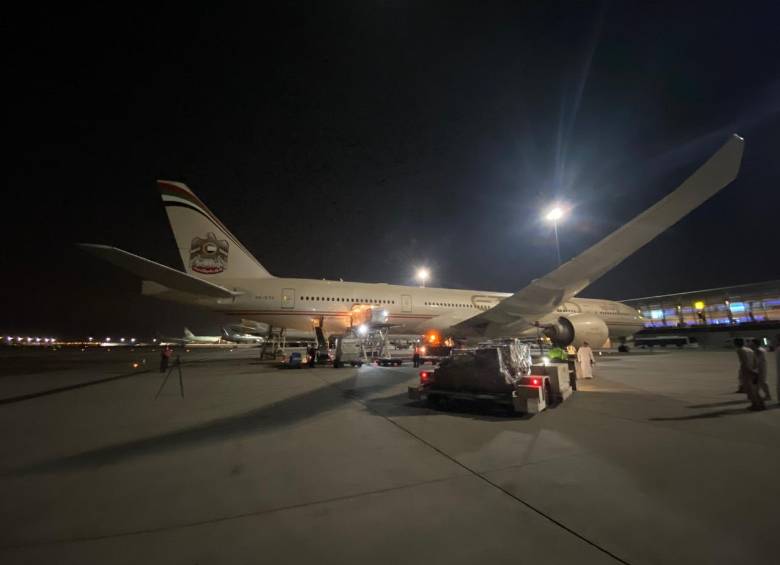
(656, 460)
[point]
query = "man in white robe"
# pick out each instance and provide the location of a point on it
(748, 374)
(777, 367)
(585, 361)
(762, 386)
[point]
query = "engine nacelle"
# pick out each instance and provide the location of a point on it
(575, 329)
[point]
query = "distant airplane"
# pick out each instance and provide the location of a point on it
(223, 276)
(190, 337)
(236, 334)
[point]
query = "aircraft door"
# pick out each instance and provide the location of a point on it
(406, 303)
(288, 298)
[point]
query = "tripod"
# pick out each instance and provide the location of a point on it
(176, 365)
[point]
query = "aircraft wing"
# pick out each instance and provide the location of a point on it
(149, 270)
(543, 295)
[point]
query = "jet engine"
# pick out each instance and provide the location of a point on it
(575, 329)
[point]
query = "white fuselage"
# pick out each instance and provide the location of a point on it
(300, 303)
(202, 339)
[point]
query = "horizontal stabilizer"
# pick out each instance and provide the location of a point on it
(149, 270)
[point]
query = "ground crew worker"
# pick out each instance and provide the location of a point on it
(762, 386)
(748, 373)
(585, 361)
(312, 351)
(557, 355)
(416, 357)
(165, 357)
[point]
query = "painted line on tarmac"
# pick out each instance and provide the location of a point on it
(218, 519)
(58, 390)
(491, 483)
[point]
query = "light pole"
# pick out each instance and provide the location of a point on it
(554, 215)
(423, 274)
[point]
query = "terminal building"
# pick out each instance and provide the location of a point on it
(749, 310)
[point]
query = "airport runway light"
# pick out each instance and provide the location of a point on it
(132, 340)
(122, 339)
(89, 339)
(423, 274)
(555, 214)
(108, 339)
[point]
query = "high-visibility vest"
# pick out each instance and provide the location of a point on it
(557, 353)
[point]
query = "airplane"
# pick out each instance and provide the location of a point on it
(237, 334)
(192, 338)
(189, 338)
(223, 276)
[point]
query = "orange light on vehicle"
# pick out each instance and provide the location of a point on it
(433, 337)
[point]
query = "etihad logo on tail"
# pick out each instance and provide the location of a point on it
(209, 255)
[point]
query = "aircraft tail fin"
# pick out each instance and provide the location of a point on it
(188, 334)
(207, 248)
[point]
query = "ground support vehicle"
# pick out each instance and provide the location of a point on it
(392, 357)
(664, 340)
(295, 360)
(530, 395)
(560, 380)
(497, 371)
(434, 354)
(349, 351)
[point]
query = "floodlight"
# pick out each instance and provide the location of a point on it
(554, 214)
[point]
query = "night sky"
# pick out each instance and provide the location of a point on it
(358, 140)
